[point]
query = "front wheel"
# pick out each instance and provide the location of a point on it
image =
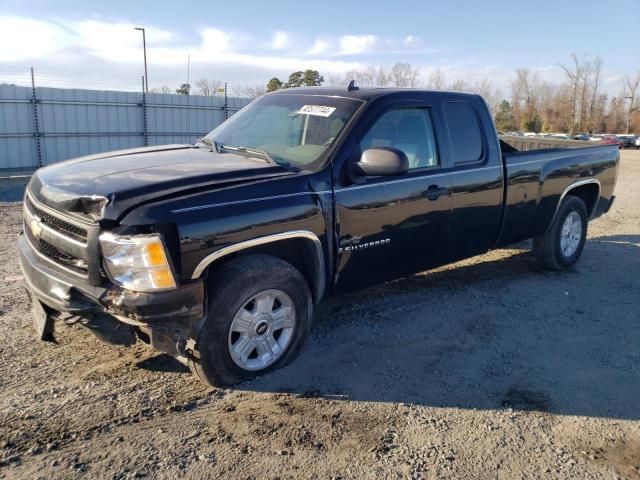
(561, 245)
(259, 314)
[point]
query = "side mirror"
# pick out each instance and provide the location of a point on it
(382, 161)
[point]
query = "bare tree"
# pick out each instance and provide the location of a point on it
(436, 80)
(381, 76)
(631, 84)
(587, 71)
(489, 92)
(207, 88)
(459, 86)
(357, 75)
(574, 74)
(235, 90)
(404, 75)
(614, 121)
(524, 100)
(366, 76)
(372, 75)
(253, 91)
(335, 79)
(161, 89)
(595, 84)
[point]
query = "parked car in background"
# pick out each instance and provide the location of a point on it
(581, 136)
(627, 141)
(611, 140)
(637, 142)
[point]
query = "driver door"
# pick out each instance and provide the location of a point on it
(392, 226)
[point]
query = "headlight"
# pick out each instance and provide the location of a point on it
(137, 262)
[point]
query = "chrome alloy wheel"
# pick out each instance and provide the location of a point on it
(571, 234)
(262, 330)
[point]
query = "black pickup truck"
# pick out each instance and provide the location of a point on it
(216, 252)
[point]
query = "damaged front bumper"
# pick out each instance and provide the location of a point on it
(167, 320)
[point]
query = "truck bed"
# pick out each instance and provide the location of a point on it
(511, 144)
(537, 179)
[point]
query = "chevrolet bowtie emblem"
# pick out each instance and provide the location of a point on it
(35, 225)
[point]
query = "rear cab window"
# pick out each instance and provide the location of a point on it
(465, 136)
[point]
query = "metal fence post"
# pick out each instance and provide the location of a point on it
(145, 133)
(226, 102)
(36, 123)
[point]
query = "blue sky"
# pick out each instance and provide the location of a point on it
(247, 42)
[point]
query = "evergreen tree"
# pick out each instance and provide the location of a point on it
(308, 78)
(296, 79)
(531, 122)
(504, 117)
(274, 84)
(312, 78)
(185, 89)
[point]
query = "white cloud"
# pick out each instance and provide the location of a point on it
(119, 43)
(280, 41)
(356, 44)
(215, 41)
(411, 41)
(319, 47)
(115, 41)
(107, 52)
(25, 39)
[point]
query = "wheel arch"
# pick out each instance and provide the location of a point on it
(301, 248)
(587, 190)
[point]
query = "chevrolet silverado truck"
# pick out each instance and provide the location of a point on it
(217, 252)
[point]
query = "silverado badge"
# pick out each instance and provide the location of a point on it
(355, 243)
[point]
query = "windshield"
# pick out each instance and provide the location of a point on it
(288, 129)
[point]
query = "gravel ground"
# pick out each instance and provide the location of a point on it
(489, 368)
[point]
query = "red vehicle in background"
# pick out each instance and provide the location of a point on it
(611, 140)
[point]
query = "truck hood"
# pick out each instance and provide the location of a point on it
(110, 184)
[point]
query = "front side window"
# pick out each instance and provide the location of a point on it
(409, 130)
(293, 129)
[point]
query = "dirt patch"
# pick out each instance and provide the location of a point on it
(489, 368)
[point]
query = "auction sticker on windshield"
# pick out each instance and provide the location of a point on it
(318, 110)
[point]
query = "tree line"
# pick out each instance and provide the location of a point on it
(577, 104)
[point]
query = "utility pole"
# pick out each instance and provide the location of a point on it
(226, 102)
(188, 68)
(36, 122)
(144, 47)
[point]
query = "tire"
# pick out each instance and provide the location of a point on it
(558, 250)
(238, 317)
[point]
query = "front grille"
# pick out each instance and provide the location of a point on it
(68, 243)
(73, 231)
(75, 264)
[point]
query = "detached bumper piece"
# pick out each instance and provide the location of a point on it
(613, 199)
(113, 314)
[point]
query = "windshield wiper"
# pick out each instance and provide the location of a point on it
(210, 143)
(251, 151)
(268, 158)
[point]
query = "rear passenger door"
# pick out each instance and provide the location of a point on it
(392, 226)
(476, 177)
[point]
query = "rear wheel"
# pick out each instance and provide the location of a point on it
(259, 314)
(561, 245)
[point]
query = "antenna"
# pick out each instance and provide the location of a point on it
(352, 86)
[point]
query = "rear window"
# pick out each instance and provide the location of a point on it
(464, 132)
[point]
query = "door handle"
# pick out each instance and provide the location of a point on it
(434, 191)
